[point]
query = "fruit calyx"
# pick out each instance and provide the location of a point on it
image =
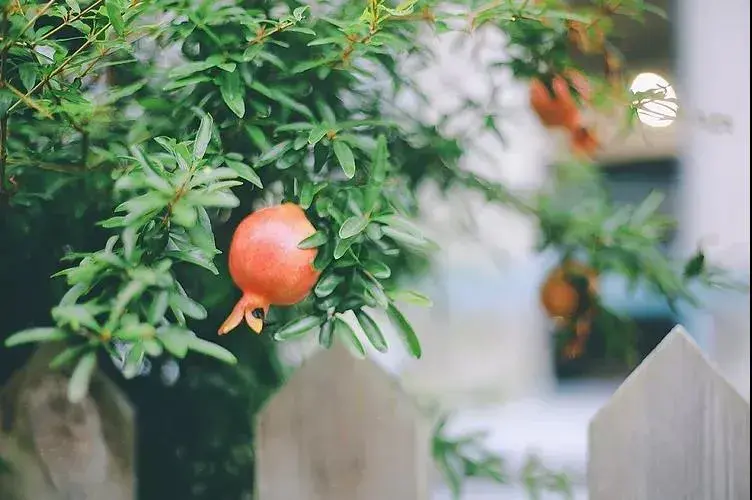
(250, 307)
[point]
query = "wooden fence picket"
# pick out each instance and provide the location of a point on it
(341, 429)
(674, 430)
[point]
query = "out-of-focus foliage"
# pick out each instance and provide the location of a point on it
(135, 134)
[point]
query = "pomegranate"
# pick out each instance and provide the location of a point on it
(568, 290)
(560, 109)
(584, 142)
(267, 265)
(568, 296)
(557, 109)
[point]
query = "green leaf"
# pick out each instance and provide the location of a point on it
(222, 199)
(315, 240)
(114, 13)
(203, 136)
(233, 93)
(405, 330)
(326, 334)
(379, 160)
(158, 307)
(184, 214)
(78, 385)
(188, 306)
(318, 132)
(68, 355)
(353, 226)
(342, 247)
(175, 340)
(137, 331)
(345, 158)
(376, 292)
(27, 72)
(42, 334)
(377, 269)
(372, 331)
(326, 285)
(411, 297)
(245, 172)
(297, 328)
(345, 333)
(274, 153)
(211, 349)
(133, 361)
(306, 195)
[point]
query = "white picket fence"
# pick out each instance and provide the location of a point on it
(342, 429)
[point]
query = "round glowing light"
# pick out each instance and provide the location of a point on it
(656, 104)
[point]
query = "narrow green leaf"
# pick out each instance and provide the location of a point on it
(411, 297)
(42, 334)
(353, 226)
(405, 330)
(377, 269)
(175, 340)
(203, 136)
(326, 285)
(372, 331)
(222, 199)
(78, 385)
(211, 349)
(134, 361)
(137, 331)
(190, 307)
(233, 93)
(326, 334)
(68, 355)
(306, 195)
(345, 158)
(153, 348)
(342, 247)
(297, 328)
(274, 153)
(318, 132)
(315, 240)
(379, 160)
(245, 172)
(115, 15)
(345, 333)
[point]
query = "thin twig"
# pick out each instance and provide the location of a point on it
(28, 25)
(72, 20)
(62, 65)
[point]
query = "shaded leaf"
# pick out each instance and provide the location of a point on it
(345, 158)
(42, 334)
(78, 385)
(405, 330)
(372, 331)
(211, 349)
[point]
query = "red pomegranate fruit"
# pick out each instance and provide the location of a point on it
(267, 265)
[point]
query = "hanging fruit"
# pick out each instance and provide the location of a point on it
(557, 107)
(267, 265)
(568, 296)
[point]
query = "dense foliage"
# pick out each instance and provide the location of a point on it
(135, 134)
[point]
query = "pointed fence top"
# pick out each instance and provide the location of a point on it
(341, 429)
(674, 429)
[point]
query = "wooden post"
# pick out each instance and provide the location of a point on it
(56, 450)
(341, 429)
(675, 429)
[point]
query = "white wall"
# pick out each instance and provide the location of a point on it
(714, 68)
